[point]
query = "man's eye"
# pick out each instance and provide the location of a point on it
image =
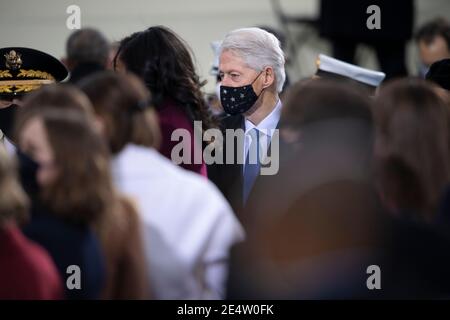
(234, 76)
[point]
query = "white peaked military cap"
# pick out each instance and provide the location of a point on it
(328, 65)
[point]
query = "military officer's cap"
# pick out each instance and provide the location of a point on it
(23, 70)
(334, 68)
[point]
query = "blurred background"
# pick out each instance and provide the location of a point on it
(42, 25)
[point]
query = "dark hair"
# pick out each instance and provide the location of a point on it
(412, 143)
(123, 102)
(164, 62)
(313, 100)
(432, 29)
(87, 46)
(321, 114)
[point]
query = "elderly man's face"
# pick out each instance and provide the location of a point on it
(235, 73)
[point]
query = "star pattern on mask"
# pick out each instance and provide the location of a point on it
(237, 100)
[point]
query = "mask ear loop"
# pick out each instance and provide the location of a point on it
(254, 82)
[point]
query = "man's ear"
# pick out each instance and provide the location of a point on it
(268, 76)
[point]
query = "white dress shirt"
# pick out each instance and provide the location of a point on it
(266, 129)
(188, 225)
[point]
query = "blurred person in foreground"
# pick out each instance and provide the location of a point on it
(412, 148)
(26, 269)
(188, 226)
(84, 221)
(314, 229)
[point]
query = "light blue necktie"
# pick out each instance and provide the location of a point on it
(252, 164)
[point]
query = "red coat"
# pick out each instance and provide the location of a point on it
(26, 269)
(172, 117)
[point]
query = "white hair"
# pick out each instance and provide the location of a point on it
(259, 49)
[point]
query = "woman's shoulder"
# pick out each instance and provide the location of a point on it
(29, 271)
(22, 247)
(139, 159)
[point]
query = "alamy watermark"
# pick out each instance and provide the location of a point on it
(374, 20)
(232, 141)
(73, 281)
(74, 19)
(374, 280)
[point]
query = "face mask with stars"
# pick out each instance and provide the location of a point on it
(237, 100)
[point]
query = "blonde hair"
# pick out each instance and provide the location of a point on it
(13, 201)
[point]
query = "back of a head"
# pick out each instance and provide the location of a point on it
(87, 46)
(320, 204)
(161, 59)
(321, 99)
(412, 136)
(333, 134)
(123, 103)
(82, 190)
(56, 96)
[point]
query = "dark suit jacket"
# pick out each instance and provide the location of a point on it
(228, 177)
(83, 71)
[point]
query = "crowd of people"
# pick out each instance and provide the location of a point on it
(94, 206)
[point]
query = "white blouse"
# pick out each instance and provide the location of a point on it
(188, 225)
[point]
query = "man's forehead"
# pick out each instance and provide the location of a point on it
(230, 60)
(437, 43)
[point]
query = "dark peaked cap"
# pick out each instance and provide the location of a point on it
(24, 69)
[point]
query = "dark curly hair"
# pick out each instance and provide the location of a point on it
(164, 62)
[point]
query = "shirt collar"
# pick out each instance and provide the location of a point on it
(268, 124)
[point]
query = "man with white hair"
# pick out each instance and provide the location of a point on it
(251, 68)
